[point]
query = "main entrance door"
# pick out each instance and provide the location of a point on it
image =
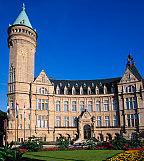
(87, 131)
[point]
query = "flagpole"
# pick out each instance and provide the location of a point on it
(15, 127)
(24, 122)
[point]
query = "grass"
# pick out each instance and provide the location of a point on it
(75, 155)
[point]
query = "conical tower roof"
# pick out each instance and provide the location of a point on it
(23, 19)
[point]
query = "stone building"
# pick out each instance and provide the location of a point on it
(77, 109)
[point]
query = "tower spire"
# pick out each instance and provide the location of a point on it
(23, 7)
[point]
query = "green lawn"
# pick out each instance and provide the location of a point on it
(75, 155)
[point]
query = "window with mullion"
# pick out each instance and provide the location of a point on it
(57, 105)
(73, 106)
(115, 119)
(65, 106)
(107, 122)
(58, 121)
(114, 105)
(74, 121)
(81, 106)
(98, 106)
(98, 120)
(66, 121)
(106, 105)
(39, 104)
(89, 106)
(42, 104)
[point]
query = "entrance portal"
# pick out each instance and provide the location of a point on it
(87, 131)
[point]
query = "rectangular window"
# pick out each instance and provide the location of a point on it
(74, 121)
(81, 106)
(20, 126)
(57, 91)
(21, 140)
(65, 106)
(132, 120)
(39, 120)
(57, 105)
(11, 104)
(106, 105)
(127, 103)
(115, 120)
(98, 120)
(57, 121)
(28, 126)
(89, 106)
(20, 116)
(42, 91)
(97, 91)
(28, 117)
(42, 104)
(107, 122)
(134, 102)
(46, 105)
(136, 120)
(128, 120)
(46, 121)
(131, 103)
(98, 106)
(114, 105)
(43, 120)
(39, 104)
(66, 121)
(73, 106)
(10, 126)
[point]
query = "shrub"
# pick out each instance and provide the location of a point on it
(62, 143)
(91, 142)
(119, 142)
(33, 144)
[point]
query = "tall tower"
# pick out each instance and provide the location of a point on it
(22, 47)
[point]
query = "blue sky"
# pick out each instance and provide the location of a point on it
(77, 39)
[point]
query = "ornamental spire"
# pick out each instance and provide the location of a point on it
(23, 7)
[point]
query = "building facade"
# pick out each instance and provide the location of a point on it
(77, 109)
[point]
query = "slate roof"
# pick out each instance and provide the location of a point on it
(135, 72)
(23, 19)
(85, 83)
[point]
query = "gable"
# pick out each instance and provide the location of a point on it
(42, 78)
(128, 77)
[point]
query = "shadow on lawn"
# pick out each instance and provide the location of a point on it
(46, 157)
(28, 159)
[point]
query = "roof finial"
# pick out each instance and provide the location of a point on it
(23, 7)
